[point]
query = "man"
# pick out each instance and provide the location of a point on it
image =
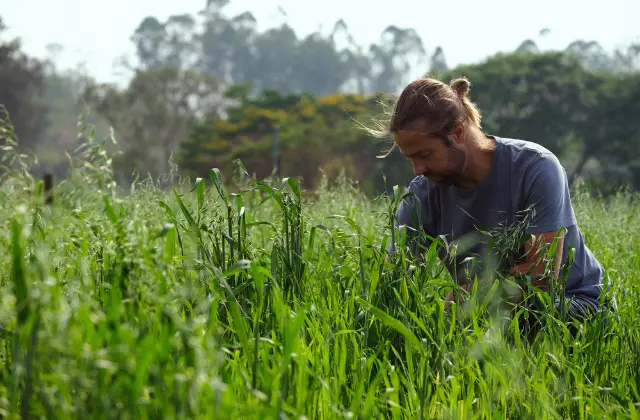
(466, 180)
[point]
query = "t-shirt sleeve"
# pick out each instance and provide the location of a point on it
(547, 193)
(410, 217)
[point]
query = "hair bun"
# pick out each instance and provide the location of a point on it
(461, 86)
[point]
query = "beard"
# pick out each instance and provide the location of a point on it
(455, 162)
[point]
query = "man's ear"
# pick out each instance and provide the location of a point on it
(458, 134)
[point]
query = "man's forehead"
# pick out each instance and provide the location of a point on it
(410, 137)
(415, 147)
(420, 125)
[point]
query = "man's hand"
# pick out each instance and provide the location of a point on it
(448, 301)
(535, 262)
(451, 297)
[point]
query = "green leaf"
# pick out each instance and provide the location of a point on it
(192, 223)
(111, 214)
(391, 322)
(17, 272)
(200, 184)
(216, 178)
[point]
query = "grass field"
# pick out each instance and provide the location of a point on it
(198, 303)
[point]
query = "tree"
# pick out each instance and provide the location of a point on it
(610, 134)
(391, 59)
(234, 51)
(61, 91)
(169, 44)
(315, 135)
(155, 112)
(595, 58)
(542, 97)
(21, 86)
(554, 99)
(549, 98)
(438, 63)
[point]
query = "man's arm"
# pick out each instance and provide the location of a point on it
(535, 261)
(546, 189)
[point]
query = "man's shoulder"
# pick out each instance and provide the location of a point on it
(524, 150)
(527, 156)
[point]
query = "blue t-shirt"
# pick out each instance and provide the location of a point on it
(523, 174)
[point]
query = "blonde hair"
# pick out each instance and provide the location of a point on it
(440, 106)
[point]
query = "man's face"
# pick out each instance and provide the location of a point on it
(442, 163)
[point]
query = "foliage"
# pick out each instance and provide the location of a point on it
(198, 303)
(184, 64)
(273, 298)
(548, 98)
(42, 101)
(552, 99)
(21, 85)
(152, 116)
(316, 135)
(233, 50)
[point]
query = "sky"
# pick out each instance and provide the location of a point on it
(97, 33)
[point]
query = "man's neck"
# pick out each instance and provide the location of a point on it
(480, 151)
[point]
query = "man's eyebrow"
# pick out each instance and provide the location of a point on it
(414, 153)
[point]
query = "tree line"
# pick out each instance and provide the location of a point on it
(209, 89)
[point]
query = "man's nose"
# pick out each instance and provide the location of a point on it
(419, 168)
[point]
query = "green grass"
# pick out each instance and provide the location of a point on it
(197, 302)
